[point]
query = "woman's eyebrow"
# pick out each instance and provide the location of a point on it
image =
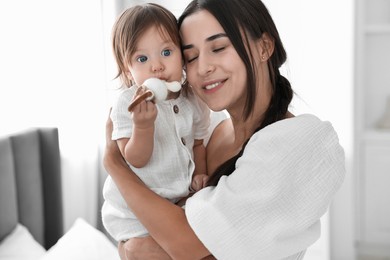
(208, 39)
(215, 36)
(186, 47)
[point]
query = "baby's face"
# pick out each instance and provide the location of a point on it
(156, 56)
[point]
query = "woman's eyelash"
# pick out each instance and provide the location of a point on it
(218, 49)
(189, 60)
(192, 59)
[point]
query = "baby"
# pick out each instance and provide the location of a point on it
(162, 141)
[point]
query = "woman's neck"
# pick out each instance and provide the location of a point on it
(244, 129)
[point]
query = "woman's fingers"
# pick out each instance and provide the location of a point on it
(141, 248)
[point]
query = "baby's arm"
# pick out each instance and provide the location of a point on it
(138, 149)
(200, 176)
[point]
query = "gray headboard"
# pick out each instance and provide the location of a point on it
(30, 184)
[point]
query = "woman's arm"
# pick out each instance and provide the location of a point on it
(141, 248)
(166, 222)
(145, 248)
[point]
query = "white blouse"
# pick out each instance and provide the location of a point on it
(270, 206)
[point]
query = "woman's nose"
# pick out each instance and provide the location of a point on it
(205, 66)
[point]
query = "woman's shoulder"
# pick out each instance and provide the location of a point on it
(300, 124)
(301, 133)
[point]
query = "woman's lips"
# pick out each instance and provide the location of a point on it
(212, 87)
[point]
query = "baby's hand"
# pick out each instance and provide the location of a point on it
(199, 182)
(144, 114)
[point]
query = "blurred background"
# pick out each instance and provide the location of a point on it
(57, 69)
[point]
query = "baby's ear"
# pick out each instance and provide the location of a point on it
(130, 78)
(129, 75)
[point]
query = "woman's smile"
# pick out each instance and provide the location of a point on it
(213, 87)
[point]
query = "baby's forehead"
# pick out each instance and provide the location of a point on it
(154, 37)
(164, 33)
(167, 33)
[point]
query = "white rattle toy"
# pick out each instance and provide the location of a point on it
(156, 90)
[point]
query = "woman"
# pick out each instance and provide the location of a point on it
(273, 174)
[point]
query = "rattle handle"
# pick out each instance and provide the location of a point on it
(139, 99)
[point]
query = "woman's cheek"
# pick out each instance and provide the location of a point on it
(191, 78)
(193, 81)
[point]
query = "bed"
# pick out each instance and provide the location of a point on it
(31, 210)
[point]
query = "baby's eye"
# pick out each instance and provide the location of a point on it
(166, 52)
(142, 59)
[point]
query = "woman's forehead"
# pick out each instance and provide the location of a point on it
(200, 25)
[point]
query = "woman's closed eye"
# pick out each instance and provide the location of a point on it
(219, 49)
(190, 55)
(191, 59)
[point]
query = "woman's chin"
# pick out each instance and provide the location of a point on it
(215, 108)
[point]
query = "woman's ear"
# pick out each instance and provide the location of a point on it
(266, 46)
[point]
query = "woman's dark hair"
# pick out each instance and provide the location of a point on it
(249, 18)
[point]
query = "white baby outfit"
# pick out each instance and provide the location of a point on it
(169, 171)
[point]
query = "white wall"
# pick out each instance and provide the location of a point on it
(52, 74)
(318, 37)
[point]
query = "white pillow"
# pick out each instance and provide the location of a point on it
(20, 245)
(82, 242)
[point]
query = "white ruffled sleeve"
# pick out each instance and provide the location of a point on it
(270, 206)
(120, 116)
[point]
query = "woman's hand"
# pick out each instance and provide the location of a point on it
(199, 181)
(145, 248)
(141, 248)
